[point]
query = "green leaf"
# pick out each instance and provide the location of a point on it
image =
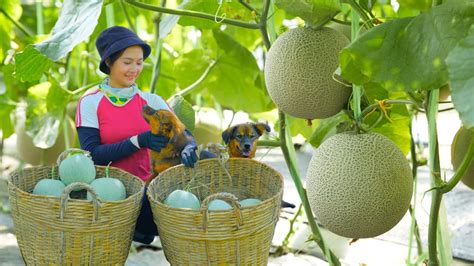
(421, 5)
(12, 8)
(232, 81)
(408, 53)
(184, 110)
(6, 124)
(31, 64)
(169, 22)
(45, 110)
(327, 128)
(312, 12)
(460, 64)
(4, 40)
(75, 24)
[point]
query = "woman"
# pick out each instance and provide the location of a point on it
(109, 120)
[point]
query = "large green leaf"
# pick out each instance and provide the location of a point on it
(408, 53)
(12, 8)
(184, 111)
(4, 40)
(233, 80)
(311, 11)
(6, 125)
(45, 109)
(421, 5)
(460, 66)
(31, 64)
(75, 24)
(327, 128)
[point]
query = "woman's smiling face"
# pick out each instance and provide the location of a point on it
(126, 69)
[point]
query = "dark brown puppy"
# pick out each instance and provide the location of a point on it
(166, 123)
(241, 141)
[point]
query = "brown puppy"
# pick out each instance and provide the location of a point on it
(241, 139)
(166, 123)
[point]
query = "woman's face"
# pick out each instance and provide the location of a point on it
(125, 70)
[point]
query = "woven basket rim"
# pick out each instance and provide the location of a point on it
(48, 197)
(272, 198)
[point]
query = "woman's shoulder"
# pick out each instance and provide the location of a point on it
(91, 96)
(155, 101)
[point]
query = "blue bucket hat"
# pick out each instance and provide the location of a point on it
(115, 39)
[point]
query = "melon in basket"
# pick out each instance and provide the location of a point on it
(249, 202)
(77, 168)
(108, 189)
(182, 199)
(49, 187)
(218, 204)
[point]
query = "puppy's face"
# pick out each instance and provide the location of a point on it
(242, 139)
(162, 122)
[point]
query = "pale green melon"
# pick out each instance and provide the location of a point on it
(249, 202)
(77, 168)
(299, 69)
(49, 187)
(359, 185)
(459, 147)
(218, 204)
(182, 199)
(108, 189)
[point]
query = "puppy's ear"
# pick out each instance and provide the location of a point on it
(227, 134)
(261, 127)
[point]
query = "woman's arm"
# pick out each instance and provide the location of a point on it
(102, 154)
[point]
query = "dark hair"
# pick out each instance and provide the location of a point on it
(112, 58)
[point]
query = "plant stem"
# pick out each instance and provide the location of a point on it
(263, 25)
(20, 26)
(198, 81)
(249, 7)
(466, 162)
(290, 158)
(292, 225)
(433, 162)
(127, 17)
(39, 17)
(414, 225)
(376, 105)
(191, 13)
(159, 44)
(269, 143)
(356, 7)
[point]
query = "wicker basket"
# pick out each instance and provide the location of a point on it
(240, 236)
(65, 231)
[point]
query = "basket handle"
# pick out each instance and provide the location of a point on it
(66, 152)
(78, 185)
(228, 197)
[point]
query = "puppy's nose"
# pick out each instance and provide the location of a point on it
(247, 146)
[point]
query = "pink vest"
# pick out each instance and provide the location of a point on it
(117, 123)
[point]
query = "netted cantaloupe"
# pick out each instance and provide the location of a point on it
(359, 185)
(299, 69)
(459, 147)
